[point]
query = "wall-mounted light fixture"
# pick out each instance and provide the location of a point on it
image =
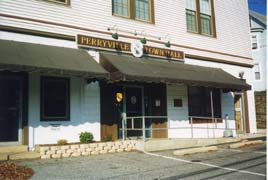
(115, 35)
(167, 44)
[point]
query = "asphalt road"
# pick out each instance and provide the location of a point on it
(244, 163)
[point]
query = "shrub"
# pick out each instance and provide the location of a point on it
(62, 142)
(86, 137)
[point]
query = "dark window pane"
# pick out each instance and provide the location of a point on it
(200, 102)
(55, 98)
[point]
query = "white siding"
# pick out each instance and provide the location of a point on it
(234, 70)
(97, 15)
(84, 113)
(178, 117)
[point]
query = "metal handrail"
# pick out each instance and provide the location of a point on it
(143, 129)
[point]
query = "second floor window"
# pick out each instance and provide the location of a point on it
(66, 2)
(254, 43)
(134, 9)
(257, 72)
(200, 17)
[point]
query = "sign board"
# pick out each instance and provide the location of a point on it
(94, 42)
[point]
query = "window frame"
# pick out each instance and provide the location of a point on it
(67, 2)
(198, 20)
(43, 117)
(259, 68)
(257, 43)
(132, 12)
(115, 14)
(205, 103)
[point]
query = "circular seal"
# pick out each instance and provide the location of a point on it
(133, 100)
(137, 48)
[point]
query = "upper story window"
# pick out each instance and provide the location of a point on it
(257, 72)
(200, 17)
(66, 2)
(121, 7)
(134, 9)
(254, 42)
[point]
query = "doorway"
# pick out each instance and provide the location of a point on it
(239, 113)
(134, 107)
(10, 110)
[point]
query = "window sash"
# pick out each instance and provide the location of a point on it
(143, 10)
(55, 99)
(121, 8)
(191, 20)
(66, 2)
(254, 43)
(205, 23)
(199, 102)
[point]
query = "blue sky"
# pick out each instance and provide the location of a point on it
(258, 6)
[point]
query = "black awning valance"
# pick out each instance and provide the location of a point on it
(22, 56)
(128, 68)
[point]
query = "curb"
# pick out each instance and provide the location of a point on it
(242, 144)
(195, 150)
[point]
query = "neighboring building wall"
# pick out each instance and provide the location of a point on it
(261, 109)
(259, 57)
(259, 54)
(84, 113)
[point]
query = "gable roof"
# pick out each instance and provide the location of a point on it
(257, 16)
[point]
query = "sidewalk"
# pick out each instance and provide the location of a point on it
(170, 144)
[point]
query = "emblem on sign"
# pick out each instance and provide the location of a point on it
(137, 49)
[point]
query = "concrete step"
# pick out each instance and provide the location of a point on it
(18, 156)
(25, 155)
(13, 149)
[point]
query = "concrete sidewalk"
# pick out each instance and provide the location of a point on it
(170, 144)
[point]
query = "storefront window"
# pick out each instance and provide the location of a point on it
(200, 102)
(55, 99)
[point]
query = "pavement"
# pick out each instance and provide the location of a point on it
(244, 163)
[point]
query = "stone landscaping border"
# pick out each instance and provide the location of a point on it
(75, 150)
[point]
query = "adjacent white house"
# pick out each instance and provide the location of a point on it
(161, 69)
(259, 54)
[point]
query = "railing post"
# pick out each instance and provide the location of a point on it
(143, 128)
(132, 123)
(124, 125)
(192, 133)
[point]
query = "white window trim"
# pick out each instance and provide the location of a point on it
(258, 71)
(257, 41)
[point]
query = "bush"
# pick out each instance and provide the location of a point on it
(86, 137)
(62, 142)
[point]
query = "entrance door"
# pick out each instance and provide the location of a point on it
(239, 115)
(9, 109)
(134, 108)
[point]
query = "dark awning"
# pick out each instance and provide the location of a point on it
(128, 68)
(20, 56)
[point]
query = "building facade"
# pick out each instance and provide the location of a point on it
(258, 45)
(161, 69)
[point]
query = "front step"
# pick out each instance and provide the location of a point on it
(13, 149)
